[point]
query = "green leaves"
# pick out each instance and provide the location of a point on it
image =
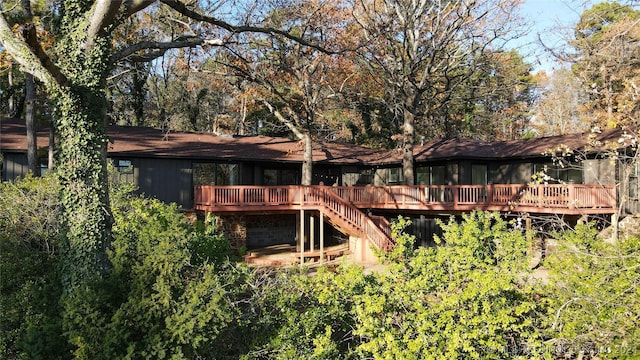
(171, 294)
(461, 299)
(594, 293)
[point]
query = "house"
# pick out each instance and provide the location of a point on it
(252, 182)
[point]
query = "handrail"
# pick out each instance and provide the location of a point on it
(323, 196)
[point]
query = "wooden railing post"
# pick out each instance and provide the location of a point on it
(572, 196)
(490, 194)
(455, 191)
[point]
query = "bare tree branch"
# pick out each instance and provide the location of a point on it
(30, 55)
(186, 11)
(159, 48)
(133, 6)
(103, 14)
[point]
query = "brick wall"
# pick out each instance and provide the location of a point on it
(235, 228)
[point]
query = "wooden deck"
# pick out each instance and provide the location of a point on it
(343, 206)
(569, 199)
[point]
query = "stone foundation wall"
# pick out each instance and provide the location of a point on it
(269, 230)
(235, 228)
(259, 230)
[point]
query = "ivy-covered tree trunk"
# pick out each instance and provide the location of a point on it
(81, 160)
(81, 163)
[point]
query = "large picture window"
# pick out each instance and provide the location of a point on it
(215, 174)
(281, 177)
(560, 174)
(431, 175)
(479, 174)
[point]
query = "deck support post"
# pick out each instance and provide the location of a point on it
(301, 237)
(527, 221)
(312, 233)
(614, 226)
(321, 237)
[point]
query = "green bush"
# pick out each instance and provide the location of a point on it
(466, 298)
(155, 303)
(172, 293)
(595, 295)
(30, 321)
(207, 245)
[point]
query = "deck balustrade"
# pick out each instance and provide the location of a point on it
(543, 198)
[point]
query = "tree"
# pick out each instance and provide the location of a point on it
(75, 75)
(607, 44)
(462, 299)
(293, 80)
(593, 292)
(558, 109)
(496, 100)
(420, 50)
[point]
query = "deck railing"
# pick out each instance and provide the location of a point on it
(567, 198)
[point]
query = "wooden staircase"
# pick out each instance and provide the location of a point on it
(341, 213)
(348, 218)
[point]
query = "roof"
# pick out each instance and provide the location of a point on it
(148, 142)
(514, 149)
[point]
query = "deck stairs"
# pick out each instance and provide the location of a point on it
(349, 219)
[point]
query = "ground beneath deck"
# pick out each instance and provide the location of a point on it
(284, 255)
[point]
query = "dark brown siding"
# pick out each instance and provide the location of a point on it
(14, 165)
(511, 173)
(168, 180)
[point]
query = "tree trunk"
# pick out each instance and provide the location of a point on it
(407, 146)
(30, 118)
(307, 162)
(81, 168)
(11, 101)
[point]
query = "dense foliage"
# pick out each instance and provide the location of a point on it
(174, 291)
(596, 302)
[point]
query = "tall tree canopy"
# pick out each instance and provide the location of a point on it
(423, 51)
(607, 62)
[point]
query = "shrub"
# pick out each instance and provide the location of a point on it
(154, 303)
(465, 298)
(30, 321)
(595, 295)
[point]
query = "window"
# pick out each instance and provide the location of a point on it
(479, 174)
(560, 174)
(289, 177)
(431, 175)
(281, 177)
(226, 174)
(438, 175)
(394, 176)
(215, 174)
(125, 167)
(365, 177)
(270, 177)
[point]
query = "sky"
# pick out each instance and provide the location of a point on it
(552, 21)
